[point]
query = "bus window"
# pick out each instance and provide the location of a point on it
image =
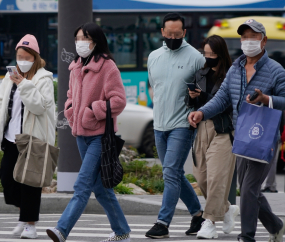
(116, 22)
(204, 21)
(7, 50)
(52, 53)
(123, 46)
(153, 22)
(151, 42)
(52, 22)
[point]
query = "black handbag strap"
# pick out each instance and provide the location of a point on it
(109, 128)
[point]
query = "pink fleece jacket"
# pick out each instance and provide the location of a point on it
(89, 88)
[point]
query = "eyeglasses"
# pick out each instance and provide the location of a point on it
(82, 38)
(208, 54)
(177, 35)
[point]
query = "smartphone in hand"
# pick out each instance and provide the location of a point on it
(192, 87)
(12, 70)
(253, 96)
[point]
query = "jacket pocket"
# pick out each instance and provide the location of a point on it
(69, 116)
(89, 121)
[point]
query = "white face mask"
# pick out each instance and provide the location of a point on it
(82, 48)
(25, 66)
(251, 48)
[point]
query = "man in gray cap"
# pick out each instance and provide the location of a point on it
(253, 71)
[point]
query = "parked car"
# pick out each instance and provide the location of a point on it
(135, 126)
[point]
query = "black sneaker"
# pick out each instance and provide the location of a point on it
(158, 231)
(195, 225)
(267, 189)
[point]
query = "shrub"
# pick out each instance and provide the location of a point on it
(55, 91)
(190, 178)
(122, 189)
(148, 178)
(238, 192)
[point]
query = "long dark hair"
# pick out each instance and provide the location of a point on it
(96, 33)
(219, 46)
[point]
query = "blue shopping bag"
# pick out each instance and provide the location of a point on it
(256, 132)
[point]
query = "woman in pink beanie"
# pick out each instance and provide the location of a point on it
(24, 96)
(94, 78)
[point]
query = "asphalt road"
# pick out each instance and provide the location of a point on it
(96, 228)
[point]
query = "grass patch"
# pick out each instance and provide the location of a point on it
(122, 189)
(190, 178)
(148, 178)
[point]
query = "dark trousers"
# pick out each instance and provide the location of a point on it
(253, 204)
(27, 198)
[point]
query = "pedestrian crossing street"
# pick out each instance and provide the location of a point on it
(91, 227)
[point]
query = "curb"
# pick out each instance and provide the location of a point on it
(55, 204)
(130, 204)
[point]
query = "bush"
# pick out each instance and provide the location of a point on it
(148, 178)
(122, 189)
(55, 91)
(190, 178)
(238, 193)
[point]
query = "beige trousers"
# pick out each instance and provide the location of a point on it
(215, 164)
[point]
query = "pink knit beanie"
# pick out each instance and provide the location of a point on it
(29, 41)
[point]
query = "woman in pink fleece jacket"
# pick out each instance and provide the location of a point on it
(94, 78)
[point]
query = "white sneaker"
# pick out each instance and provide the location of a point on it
(29, 232)
(229, 219)
(19, 229)
(208, 230)
(114, 237)
(278, 237)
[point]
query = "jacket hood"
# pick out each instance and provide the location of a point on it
(184, 44)
(41, 73)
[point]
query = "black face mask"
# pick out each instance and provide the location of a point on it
(212, 62)
(173, 44)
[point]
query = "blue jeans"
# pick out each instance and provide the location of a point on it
(88, 180)
(173, 148)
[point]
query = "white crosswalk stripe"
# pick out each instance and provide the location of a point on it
(90, 228)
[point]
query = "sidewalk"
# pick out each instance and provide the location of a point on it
(131, 204)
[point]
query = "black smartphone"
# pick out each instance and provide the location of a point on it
(191, 86)
(253, 96)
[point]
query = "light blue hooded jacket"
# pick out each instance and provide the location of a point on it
(168, 70)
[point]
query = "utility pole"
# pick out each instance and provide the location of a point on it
(71, 14)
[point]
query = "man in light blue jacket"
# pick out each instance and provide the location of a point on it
(253, 71)
(169, 68)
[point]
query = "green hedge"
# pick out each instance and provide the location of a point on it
(55, 91)
(148, 178)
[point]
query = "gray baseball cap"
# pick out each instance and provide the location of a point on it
(254, 25)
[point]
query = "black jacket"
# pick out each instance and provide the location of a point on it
(223, 121)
